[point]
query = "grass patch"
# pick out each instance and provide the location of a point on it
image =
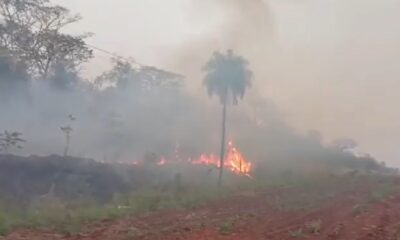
(69, 218)
(314, 227)
(359, 209)
(298, 193)
(383, 191)
(226, 227)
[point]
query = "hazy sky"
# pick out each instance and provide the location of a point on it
(143, 29)
(333, 65)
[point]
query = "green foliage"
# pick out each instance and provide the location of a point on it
(13, 77)
(126, 74)
(32, 31)
(226, 227)
(228, 76)
(69, 216)
(3, 224)
(382, 191)
(72, 216)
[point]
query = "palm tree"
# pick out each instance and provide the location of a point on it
(228, 76)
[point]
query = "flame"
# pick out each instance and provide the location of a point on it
(234, 161)
(162, 162)
(205, 159)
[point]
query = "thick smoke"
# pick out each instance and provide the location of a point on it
(125, 124)
(322, 64)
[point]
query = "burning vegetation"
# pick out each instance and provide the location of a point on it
(234, 161)
(117, 156)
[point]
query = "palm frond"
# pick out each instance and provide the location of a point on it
(227, 76)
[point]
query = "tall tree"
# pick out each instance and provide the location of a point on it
(31, 30)
(62, 77)
(227, 76)
(14, 80)
(128, 74)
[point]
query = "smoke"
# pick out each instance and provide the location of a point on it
(322, 64)
(125, 124)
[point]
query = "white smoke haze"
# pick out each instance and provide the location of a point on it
(326, 65)
(323, 65)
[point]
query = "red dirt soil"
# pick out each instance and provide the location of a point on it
(250, 217)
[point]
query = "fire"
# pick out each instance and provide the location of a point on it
(205, 159)
(234, 161)
(162, 162)
(237, 162)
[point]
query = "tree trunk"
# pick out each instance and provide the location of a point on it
(222, 153)
(67, 145)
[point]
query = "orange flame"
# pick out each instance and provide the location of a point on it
(162, 162)
(234, 161)
(237, 162)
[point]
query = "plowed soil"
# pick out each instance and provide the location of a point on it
(349, 215)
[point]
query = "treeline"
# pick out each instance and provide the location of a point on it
(129, 111)
(34, 46)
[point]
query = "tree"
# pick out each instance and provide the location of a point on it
(9, 140)
(67, 130)
(228, 77)
(31, 31)
(128, 74)
(122, 75)
(14, 80)
(62, 77)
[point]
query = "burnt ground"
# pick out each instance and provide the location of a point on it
(355, 214)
